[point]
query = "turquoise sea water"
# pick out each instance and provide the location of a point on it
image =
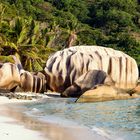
(119, 120)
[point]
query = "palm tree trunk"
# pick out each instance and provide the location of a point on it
(72, 39)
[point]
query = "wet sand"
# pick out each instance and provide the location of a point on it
(16, 125)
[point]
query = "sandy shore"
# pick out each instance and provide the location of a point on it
(11, 128)
(16, 126)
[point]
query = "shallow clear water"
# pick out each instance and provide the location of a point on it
(118, 119)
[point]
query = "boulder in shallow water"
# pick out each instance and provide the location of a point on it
(137, 89)
(105, 93)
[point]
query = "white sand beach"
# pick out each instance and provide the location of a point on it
(11, 129)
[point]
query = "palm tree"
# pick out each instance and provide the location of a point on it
(25, 37)
(73, 30)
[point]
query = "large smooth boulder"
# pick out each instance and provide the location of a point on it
(137, 89)
(30, 81)
(14, 78)
(106, 93)
(64, 68)
(87, 81)
(9, 77)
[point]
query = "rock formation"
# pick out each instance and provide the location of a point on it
(64, 68)
(9, 76)
(106, 93)
(73, 71)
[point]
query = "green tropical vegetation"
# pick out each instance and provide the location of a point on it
(34, 29)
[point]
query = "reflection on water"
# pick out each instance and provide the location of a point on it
(116, 118)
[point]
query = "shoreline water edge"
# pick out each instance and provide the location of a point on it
(50, 117)
(17, 125)
(10, 126)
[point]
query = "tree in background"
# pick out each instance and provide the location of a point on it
(34, 29)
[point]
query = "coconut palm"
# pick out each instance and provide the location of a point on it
(73, 30)
(26, 39)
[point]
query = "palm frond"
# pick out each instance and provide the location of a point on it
(4, 59)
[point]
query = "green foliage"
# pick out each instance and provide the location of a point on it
(77, 8)
(34, 29)
(4, 59)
